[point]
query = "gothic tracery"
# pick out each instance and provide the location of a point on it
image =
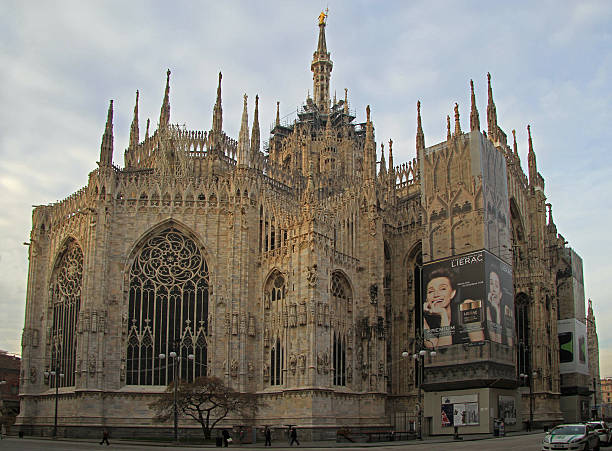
(65, 297)
(168, 309)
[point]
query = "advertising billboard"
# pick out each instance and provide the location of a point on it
(507, 409)
(459, 410)
(497, 233)
(468, 299)
(572, 346)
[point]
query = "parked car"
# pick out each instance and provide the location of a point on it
(575, 437)
(603, 430)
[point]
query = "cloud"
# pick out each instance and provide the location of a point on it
(63, 61)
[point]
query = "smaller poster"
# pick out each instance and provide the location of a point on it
(447, 415)
(460, 410)
(507, 409)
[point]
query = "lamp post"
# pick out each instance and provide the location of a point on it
(526, 377)
(55, 374)
(175, 380)
(419, 358)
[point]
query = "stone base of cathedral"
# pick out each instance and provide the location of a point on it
(318, 414)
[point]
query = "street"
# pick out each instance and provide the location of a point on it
(519, 442)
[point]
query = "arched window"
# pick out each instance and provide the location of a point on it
(342, 304)
(521, 305)
(277, 355)
(168, 310)
(65, 297)
(276, 317)
(277, 291)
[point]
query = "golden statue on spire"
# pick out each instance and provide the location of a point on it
(323, 16)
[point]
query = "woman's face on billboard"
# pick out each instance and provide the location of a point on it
(440, 293)
(494, 287)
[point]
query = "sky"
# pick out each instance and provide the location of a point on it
(550, 61)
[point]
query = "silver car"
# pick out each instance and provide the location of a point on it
(575, 437)
(603, 430)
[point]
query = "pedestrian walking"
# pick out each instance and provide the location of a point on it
(294, 437)
(2, 431)
(226, 438)
(104, 437)
(268, 435)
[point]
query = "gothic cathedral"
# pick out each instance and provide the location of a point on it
(295, 270)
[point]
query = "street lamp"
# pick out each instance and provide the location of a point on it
(174, 357)
(53, 373)
(419, 358)
(525, 377)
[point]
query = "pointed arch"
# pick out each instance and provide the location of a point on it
(275, 314)
(168, 286)
(341, 300)
(65, 303)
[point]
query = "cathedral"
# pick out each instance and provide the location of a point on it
(347, 292)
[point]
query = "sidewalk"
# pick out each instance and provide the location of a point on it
(283, 443)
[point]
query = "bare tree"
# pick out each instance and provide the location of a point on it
(207, 400)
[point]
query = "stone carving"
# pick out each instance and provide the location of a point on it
(292, 363)
(209, 325)
(33, 374)
(313, 312)
(124, 323)
(243, 324)
(250, 370)
(266, 301)
(102, 323)
(293, 315)
(92, 364)
(35, 338)
(228, 322)
(285, 318)
(235, 324)
(302, 363)
(80, 322)
(373, 294)
(94, 322)
(86, 322)
(326, 316)
(266, 372)
(234, 368)
(302, 313)
(311, 276)
(251, 326)
(266, 337)
(323, 362)
(381, 367)
(349, 373)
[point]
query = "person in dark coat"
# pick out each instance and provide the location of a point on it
(294, 437)
(268, 435)
(104, 437)
(226, 437)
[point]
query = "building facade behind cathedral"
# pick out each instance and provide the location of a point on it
(296, 272)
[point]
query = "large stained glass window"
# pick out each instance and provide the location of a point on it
(342, 302)
(65, 297)
(168, 310)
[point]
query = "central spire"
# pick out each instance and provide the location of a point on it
(321, 68)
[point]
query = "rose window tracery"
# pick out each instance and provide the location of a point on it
(168, 310)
